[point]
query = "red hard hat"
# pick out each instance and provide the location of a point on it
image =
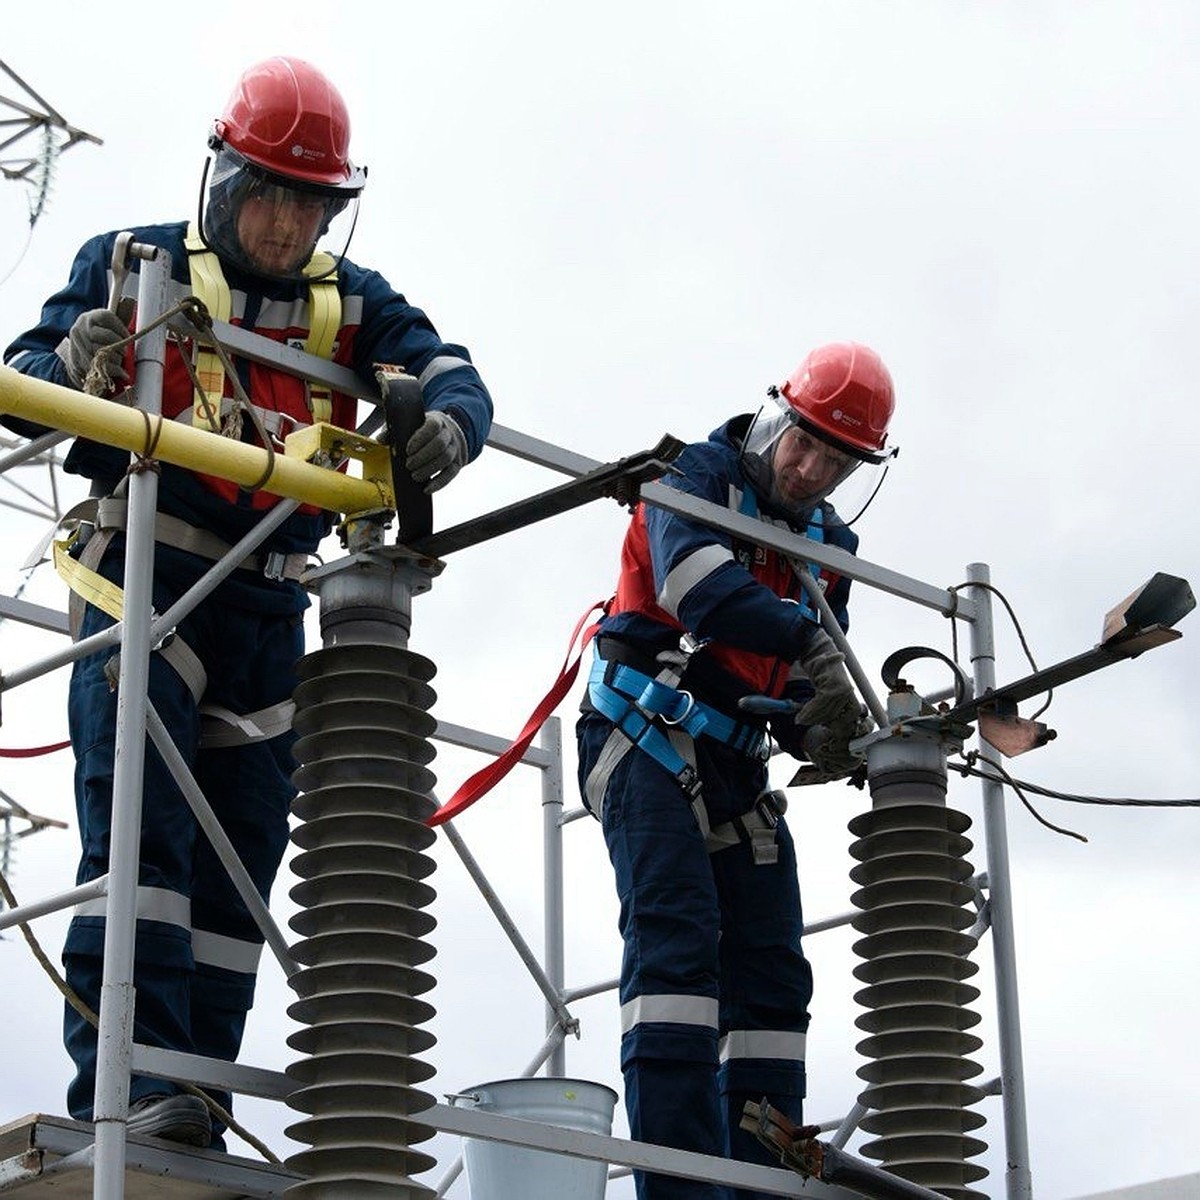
(844, 392)
(285, 116)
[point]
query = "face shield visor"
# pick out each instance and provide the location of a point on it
(270, 224)
(794, 466)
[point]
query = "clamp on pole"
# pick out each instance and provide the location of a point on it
(799, 1150)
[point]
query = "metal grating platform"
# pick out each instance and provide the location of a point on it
(34, 1148)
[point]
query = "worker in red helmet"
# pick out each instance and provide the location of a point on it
(714, 983)
(266, 252)
(280, 175)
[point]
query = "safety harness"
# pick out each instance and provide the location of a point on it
(97, 519)
(632, 700)
(211, 406)
(653, 714)
(104, 517)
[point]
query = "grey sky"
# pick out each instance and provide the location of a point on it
(637, 221)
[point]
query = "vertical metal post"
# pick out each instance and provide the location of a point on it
(5, 849)
(1018, 1179)
(116, 991)
(552, 882)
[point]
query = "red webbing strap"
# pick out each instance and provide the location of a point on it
(484, 780)
(33, 751)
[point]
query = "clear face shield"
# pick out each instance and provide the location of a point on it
(271, 225)
(794, 466)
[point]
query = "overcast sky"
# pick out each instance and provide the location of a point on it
(638, 221)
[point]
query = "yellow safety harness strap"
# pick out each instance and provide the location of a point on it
(324, 321)
(210, 288)
(220, 727)
(92, 588)
(89, 585)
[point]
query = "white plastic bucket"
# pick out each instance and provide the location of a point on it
(499, 1172)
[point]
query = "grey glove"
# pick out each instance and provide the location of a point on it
(830, 752)
(436, 452)
(836, 704)
(92, 332)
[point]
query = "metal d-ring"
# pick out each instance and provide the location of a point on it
(683, 716)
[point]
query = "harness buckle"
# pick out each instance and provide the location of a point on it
(82, 535)
(285, 425)
(763, 848)
(275, 566)
(770, 806)
(689, 779)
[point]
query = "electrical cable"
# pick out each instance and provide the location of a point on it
(1076, 798)
(20, 258)
(1020, 786)
(1001, 775)
(1012, 616)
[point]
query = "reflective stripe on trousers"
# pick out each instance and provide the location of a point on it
(714, 984)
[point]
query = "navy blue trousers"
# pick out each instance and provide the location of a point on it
(715, 987)
(196, 944)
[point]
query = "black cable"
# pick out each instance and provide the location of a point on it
(1075, 798)
(1001, 775)
(1012, 616)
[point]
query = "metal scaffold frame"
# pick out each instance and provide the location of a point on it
(382, 579)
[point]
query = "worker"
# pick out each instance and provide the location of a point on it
(715, 986)
(278, 180)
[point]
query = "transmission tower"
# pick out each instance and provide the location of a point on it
(39, 134)
(33, 133)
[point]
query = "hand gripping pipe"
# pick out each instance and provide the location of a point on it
(915, 899)
(364, 728)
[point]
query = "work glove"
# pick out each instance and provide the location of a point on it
(830, 752)
(836, 704)
(92, 332)
(436, 452)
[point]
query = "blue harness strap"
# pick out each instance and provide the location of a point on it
(632, 700)
(815, 532)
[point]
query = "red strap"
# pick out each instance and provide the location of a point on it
(33, 751)
(483, 781)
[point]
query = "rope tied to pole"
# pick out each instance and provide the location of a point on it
(144, 459)
(99, 382)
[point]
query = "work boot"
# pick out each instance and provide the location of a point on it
(177, 1118)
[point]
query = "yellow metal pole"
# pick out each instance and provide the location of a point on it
(186, 446)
